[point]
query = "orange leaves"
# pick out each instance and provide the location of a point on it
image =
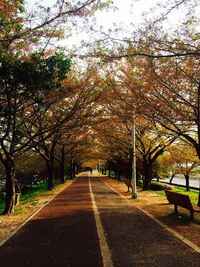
(8, 9)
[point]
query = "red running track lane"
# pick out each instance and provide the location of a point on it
(62, 234)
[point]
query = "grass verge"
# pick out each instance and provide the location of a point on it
(193, 194)
(30, 196)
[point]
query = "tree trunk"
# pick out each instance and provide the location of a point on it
(62, 172)
(74, 170)
(118, 175)
(71, 169)
(137, 178)
(146, 184)
(62, 165)
(50, 172)
(173, 175)
(10, 186)
(148, 172)
(187, 182)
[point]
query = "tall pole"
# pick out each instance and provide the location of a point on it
(198, 204)
(133, 180)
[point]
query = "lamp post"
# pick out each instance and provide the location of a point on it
(199, 195)
(133, 163)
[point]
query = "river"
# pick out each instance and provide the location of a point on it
(194, 182)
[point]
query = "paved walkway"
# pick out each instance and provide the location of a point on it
(64, 233)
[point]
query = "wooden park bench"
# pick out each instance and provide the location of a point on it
(181, 200)
(128, 183)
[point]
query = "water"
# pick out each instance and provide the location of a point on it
(194, 182)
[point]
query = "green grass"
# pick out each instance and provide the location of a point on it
(29, 195)
(18, 210)
(2, 205)
(193, 194)
(38, 189)
(33, 192)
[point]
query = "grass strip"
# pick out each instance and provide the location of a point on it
(193, 194)
(30, 195)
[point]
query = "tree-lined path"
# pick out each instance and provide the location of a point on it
(64, 233)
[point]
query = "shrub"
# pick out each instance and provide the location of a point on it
(167, 187)
(139, 183)
(2, 195)
(156, 186)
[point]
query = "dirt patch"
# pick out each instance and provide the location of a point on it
(8, 223)
(158, 207)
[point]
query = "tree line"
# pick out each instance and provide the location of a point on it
(47, 104)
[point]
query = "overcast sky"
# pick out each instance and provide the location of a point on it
(128, 13)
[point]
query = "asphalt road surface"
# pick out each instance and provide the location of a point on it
(90, 225)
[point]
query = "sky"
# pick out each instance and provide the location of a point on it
(128, 14)
(129, 11)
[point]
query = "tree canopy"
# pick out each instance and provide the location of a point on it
(71, 111)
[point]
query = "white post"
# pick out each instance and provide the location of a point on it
(133, 180)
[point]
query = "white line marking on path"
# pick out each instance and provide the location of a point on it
(173, 232)
(105, 252)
